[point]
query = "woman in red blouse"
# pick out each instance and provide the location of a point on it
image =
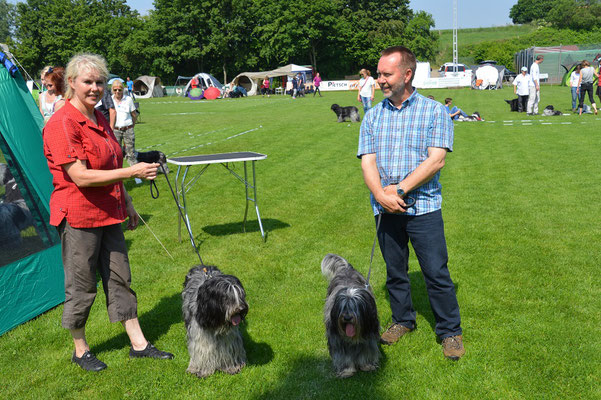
(88, 205)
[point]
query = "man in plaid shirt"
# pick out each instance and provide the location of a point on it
(402, 146)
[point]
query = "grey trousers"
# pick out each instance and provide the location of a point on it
(127, 141)
(85, 251)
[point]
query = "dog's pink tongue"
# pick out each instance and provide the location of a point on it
(350, 330)
(236, 319)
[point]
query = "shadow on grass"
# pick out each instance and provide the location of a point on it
(257, 353)
(269, 224)
(419, 297)
(155, 323)
(311, 377)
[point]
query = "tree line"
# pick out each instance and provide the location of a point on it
(576, 15)
(222, 37)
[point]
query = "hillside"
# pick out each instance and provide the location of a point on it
(474, 36)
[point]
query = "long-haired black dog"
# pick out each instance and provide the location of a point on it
(214, 304)
(348, 113)
(351, 318)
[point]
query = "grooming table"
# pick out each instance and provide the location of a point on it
(225, 159)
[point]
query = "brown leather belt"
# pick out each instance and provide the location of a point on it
(124, 128)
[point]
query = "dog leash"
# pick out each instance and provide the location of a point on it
(181, 215)
(410, 203)
(155, 236)
(373, 248)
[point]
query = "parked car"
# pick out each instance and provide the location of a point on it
(452, 69)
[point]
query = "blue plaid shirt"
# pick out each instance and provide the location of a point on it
(400, 138)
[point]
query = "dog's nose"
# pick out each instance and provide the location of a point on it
(347, 318)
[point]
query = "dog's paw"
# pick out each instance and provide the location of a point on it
(368, 367)
(202, 373)
(346, 373)
(234, 369)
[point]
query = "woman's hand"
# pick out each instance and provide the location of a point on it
(144, 170)
(134, 219)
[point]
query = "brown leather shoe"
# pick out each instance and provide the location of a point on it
(452, 347)
(394, 333)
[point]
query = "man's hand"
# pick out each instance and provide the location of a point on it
(391, 201)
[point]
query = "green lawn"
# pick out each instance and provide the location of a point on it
(522, 225)
(473, 36)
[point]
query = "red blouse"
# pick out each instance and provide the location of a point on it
(68, 136)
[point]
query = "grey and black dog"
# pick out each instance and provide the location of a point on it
(214, 305)
(350, 113)
(351, 319)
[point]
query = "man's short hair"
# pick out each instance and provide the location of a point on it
(448, 100)
(407, 57)
(540, 57)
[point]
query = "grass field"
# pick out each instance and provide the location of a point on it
(473, 36)
(522, 225)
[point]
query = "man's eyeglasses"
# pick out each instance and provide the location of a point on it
(117, 90)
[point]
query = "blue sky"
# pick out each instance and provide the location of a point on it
(471, 13)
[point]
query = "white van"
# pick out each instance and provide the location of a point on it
(452, 69)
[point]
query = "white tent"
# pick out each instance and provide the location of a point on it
(488, 76)
(204, 81)
(422, 73)
(251, 81)
(148, 86)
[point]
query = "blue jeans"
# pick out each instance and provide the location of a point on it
(426, 233)
(454, 110)
(574, 97)
(366, 103)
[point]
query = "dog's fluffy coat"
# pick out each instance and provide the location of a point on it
(351, 318)
(214, 304)
(350, 113)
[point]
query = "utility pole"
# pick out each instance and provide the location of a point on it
(455, 33)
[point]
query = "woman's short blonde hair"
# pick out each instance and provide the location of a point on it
(82, 63)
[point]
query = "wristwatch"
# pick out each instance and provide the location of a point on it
(400, 191)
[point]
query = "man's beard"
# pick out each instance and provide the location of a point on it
(394, 91)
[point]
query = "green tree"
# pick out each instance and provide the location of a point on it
(7, 22)
(576, 15)
(52, 31)
(525, 11)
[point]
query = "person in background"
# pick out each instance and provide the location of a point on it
(265, 87)
(130, 88)
(453, 112)
(43, 73)
(574, 82)
(521, 87)
(52, 99)
(534, 95)
(107, 108)
(316, 83)
(585, 85)
(367, 89)
(125, 120)
(88, 205)
(301, 85)
(294, 86)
